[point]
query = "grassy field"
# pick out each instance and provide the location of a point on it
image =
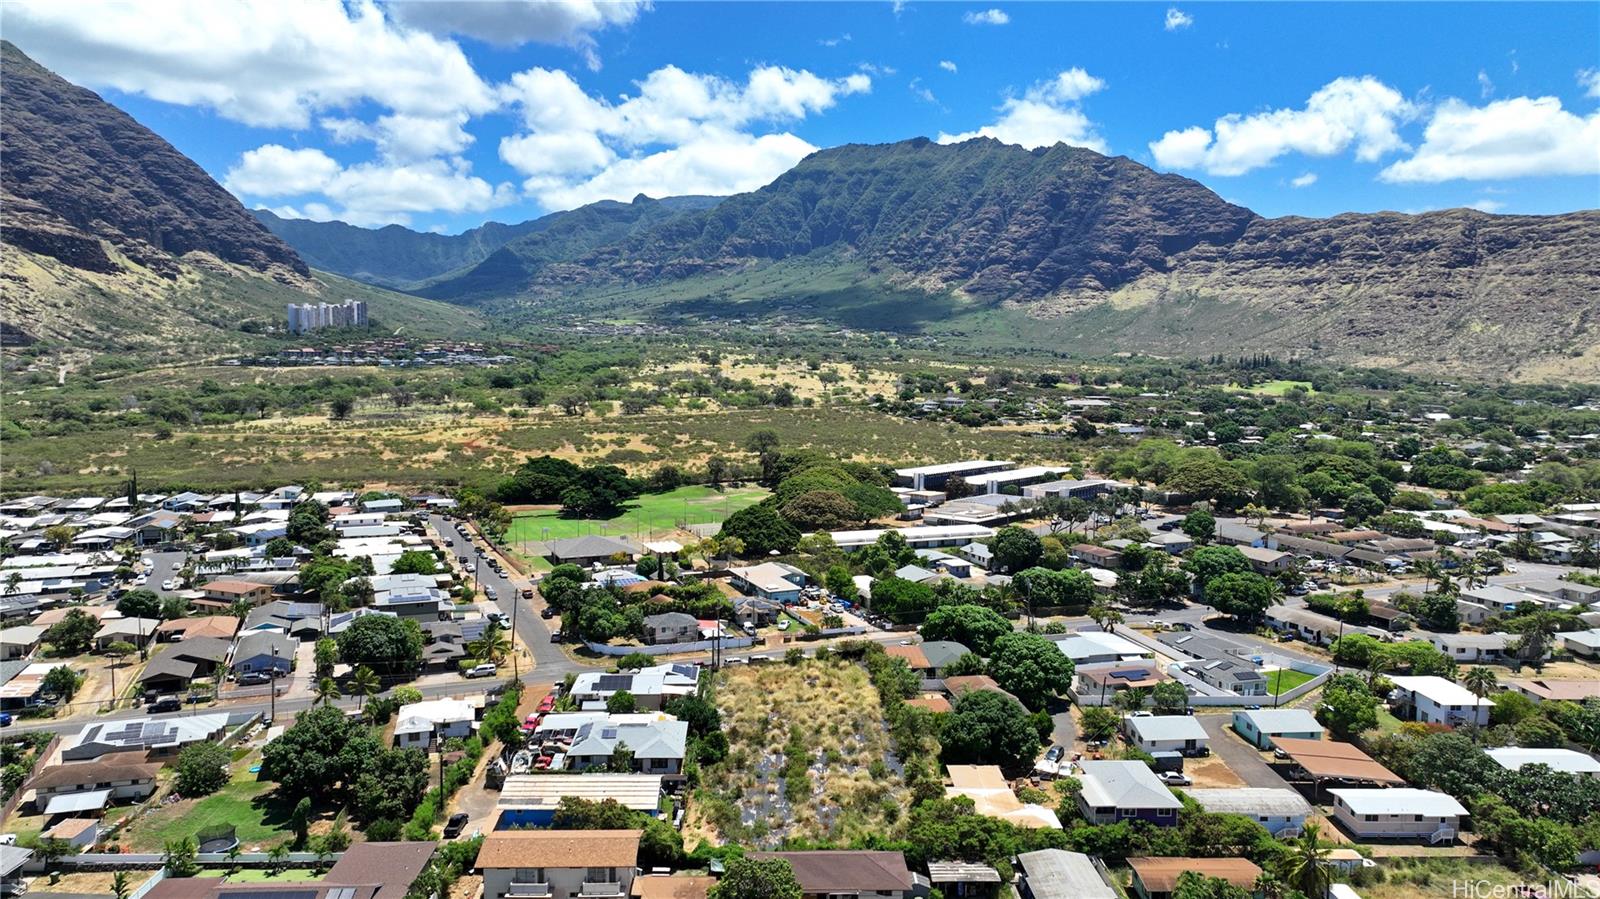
(1285, 679)
(1274, 388)
(244, 803)
(649, 514)
(1436, 878)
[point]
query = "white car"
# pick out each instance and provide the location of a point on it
(487, 669)
(169, 584)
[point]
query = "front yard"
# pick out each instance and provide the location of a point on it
(1282, 680)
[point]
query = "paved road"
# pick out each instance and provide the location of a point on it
(167, 565)
(1240, 756)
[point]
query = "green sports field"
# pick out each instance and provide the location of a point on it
(653, 513)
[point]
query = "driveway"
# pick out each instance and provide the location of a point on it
(1240, 756)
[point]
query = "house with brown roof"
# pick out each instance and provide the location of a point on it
(961, 685)
(1546, 690)
(1157, 878)
(1100, 556)
(89, 786)
(832, 872)
(222, 594)
(223, 627)
(559, 864)
(364, 871)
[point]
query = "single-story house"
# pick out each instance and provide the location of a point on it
(530, 800)
(1545, 690)
(1060, 874)
(263, 651)
(1098, 647)
(1568, 760)
(1240, 533)
(158, 738)
(1157, 878)
(1120, 790)
(590, 549)
(1166, 733)
(755, 611)
(175, 665)
(1267, 561)
(433, 721)
(651, 687)
(178, 629)
(1234, 675)
(831, 873)
(993, 797)
(79, 833)
(1280, 810)
(1398, 813)
(86, 786)
(558, 864)
(1314, 627)
(671, 627)
(1434, 700)
(657, 745)
(964, 880)
(1260, 726)
(961, 685)
(1099, 556)
(1582, 643)
(770, 580)
(20, 641)
(1470, 647)
(138, 631)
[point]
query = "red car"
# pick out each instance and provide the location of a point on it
(542, 763)
(547, 704)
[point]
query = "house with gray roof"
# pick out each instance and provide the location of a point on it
(1121, 790)
(589, 549)
(657, 745)
(1280, 810)
(1060, 874)
(263, 651)
(671, 627)
(1166, 733)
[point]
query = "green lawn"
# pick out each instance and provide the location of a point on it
(1387, 723)
(261, 875)
(244, 803)
(1285, 679)
(649, 514)
(1273, 388)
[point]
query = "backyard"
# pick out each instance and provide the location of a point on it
(246, 803)
(652, 513)
(1282, 680)
(834, 781)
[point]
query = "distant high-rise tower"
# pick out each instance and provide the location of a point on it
(303, 317)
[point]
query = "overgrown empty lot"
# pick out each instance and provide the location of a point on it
(808, 758)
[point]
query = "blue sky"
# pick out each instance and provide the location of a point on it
(444, 115)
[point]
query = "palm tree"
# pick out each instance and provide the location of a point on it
(1480, 681)
(491, 647)
(363, 683)
(1586, 552)
(119, 885)
(1430, 571)
(327, 690)
(1306, 866)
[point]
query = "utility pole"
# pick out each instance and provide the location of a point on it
(273, 687)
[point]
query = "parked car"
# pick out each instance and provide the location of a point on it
(547, 613)
(546, 704)
(498, 618)
(1054, 754)
(487, 669)
(166, 704)
(489, 591)
(5, 719)
(527, 593)
(169, 585)
(454, 826)
(251, 678)
(555, 636)
(1174, 779)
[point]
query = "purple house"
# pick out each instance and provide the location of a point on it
(1117, 791)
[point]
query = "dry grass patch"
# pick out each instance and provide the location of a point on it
(809, 758)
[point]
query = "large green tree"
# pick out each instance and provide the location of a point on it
(1015, 548)
(382, 642)
(1030, 667)
(975, 627)
(988, 728)
(757, 878)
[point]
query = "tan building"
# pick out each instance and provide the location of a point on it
(222, 594)
(1156, 878)
(559, 864)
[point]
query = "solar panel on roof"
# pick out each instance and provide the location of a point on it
(609, 733)
(1128, 673)
(268, 894)
(684, 670)
(614, 681)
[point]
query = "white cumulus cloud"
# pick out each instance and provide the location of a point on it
(948, 66)
(1363, 113)
(274, 170)
(511, 23)
(1512, 138)
(678, 132)
(371, 193)
(986, 17)
(1177, 19)
(1589, 80)
(1046, 114)
(1306, 180)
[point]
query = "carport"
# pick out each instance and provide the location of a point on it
(1324, 760)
